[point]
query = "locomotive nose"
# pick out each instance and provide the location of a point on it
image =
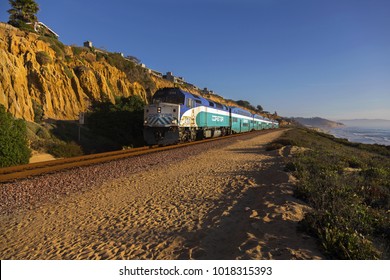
(161, 115)
(161, 124)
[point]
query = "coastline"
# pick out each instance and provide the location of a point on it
(362, 135)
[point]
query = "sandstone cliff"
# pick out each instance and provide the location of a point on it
(37, 71)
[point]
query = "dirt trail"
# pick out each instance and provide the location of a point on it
(241, 207)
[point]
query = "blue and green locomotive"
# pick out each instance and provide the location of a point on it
(179, 116)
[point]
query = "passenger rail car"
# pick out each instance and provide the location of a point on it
(179, 116)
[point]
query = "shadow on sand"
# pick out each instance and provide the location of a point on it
(257, 218)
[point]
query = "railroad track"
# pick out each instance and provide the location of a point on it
(33, 169)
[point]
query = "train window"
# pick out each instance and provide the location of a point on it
(198, 103)
(235, 120)
(174, 96)
(190, 103)
(211, 104)
(219, 106)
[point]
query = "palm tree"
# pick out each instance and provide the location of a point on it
(22, 12)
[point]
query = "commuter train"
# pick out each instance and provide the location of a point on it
(179, 116)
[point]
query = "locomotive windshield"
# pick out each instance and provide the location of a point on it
(169, 95)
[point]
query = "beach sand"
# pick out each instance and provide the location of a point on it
(233, 202)
(39, 157)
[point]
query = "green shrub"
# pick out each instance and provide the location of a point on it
(290, 167)
(65, 150)
(55, 45)
(374, 172)
(22, 25)
(101, 56)
(337, 238)
(43, 134)
(377, 196)
(14, 148)
(68, 72)
(90, 141)
(79, 70)
(134, 72)
(43, 58)
(38, 111)
(354, 162)
(77, 50)
(121, 122)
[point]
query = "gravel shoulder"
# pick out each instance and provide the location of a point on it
(228, 202)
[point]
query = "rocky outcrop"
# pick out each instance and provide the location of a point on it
(37, 71)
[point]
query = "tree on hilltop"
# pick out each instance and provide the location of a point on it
(22, 12)
(246, 104)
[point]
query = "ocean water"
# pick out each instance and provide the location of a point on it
(363, 135)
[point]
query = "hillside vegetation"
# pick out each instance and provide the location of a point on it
(348, 187)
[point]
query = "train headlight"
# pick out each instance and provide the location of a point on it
(158, 109)
(174, 121)
(145, 121)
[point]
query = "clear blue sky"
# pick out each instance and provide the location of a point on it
(328, 58)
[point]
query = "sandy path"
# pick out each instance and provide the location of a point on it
(241, 207)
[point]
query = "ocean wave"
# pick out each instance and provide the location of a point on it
(363, 135)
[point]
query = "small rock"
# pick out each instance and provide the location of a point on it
(226, 213)
(254, 214)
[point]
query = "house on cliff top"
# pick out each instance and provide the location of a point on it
(42, 28)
